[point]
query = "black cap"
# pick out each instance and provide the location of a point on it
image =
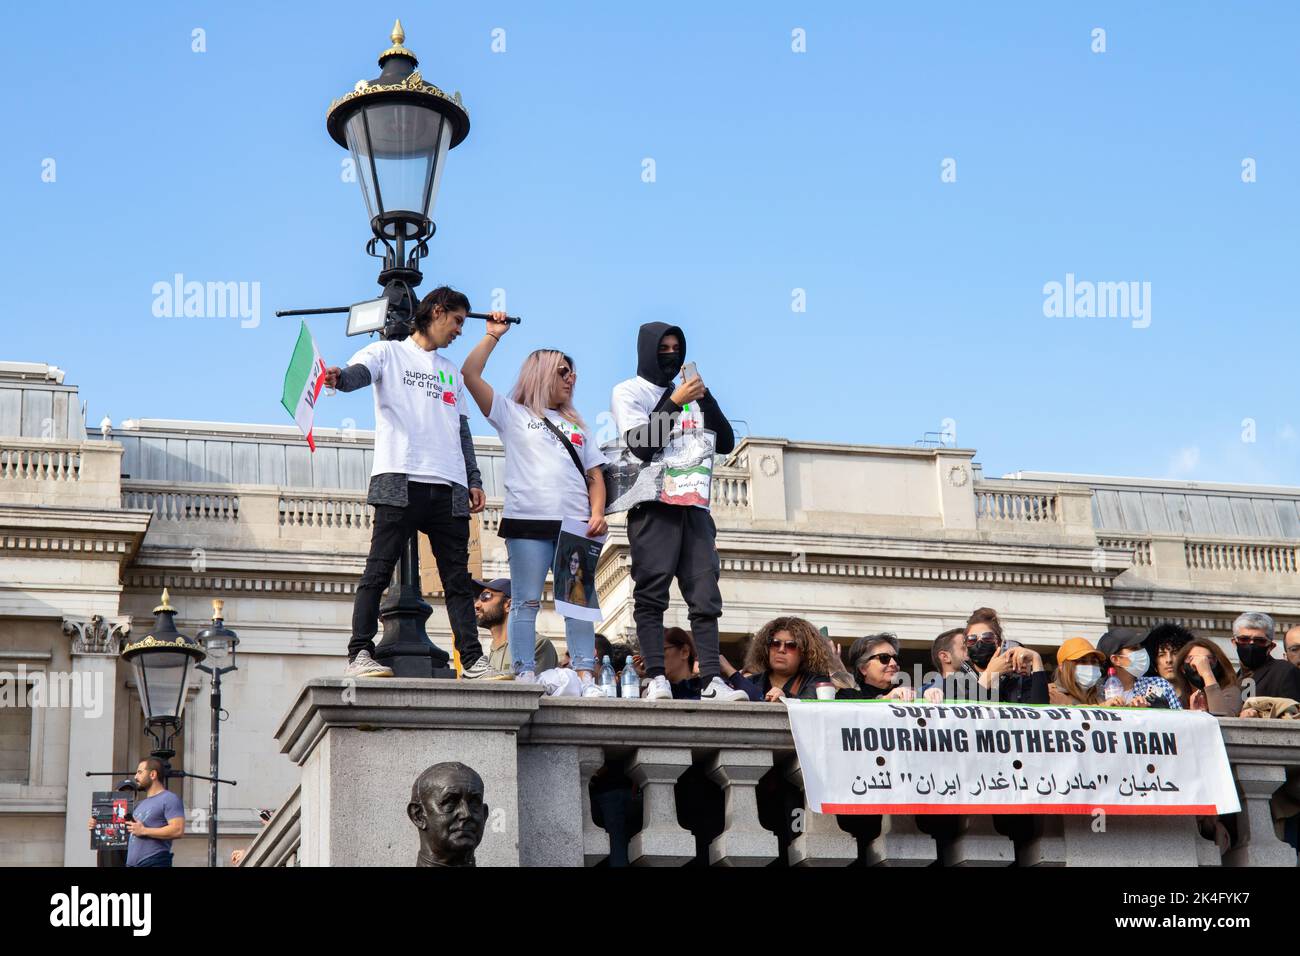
(1117, 639)
(496, 584)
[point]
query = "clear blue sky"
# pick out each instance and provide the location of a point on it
(775, 171)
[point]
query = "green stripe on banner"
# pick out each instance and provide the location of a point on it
(295, 379)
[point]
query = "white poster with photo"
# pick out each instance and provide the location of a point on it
(574, 571)
(878, 757)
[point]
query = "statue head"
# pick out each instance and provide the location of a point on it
(448, 809)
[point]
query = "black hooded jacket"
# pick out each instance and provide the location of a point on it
(647, 440)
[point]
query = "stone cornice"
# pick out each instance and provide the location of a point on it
(242, 561)
(214, 582)
(913, 561)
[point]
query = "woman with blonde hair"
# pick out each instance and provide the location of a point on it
(788, 657)
(552, 472)
(1079, 669)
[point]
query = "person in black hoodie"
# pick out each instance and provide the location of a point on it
(671, 541)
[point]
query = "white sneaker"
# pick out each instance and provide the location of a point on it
(363, 665)
(718, 689)
(658, 689)
(590, 688)
(526, 677)
(481, 670)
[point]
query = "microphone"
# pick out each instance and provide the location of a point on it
(510, 319)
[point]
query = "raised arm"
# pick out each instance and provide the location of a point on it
(472, 370)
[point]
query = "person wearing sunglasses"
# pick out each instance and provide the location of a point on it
(552, 472)
(1010, 674)
(492, 612)
(1253, 638)
(787, 657)
(874, 663)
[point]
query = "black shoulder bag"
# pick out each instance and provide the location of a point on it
(573, 452)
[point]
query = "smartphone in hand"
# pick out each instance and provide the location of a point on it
(689, 371)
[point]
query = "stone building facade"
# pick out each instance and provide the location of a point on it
(858, 538)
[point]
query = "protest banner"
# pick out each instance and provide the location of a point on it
(973, 758)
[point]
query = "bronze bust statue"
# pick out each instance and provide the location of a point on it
(448, 809)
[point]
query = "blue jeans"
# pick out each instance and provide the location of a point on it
(529, 561)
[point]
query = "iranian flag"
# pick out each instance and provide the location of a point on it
(302, 383)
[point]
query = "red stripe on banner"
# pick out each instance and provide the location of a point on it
(311, 442)
(1199, 810)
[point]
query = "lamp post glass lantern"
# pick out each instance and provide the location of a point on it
(162, 660)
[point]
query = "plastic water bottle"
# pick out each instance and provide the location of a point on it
(629, 685)
(1111, 687)
(608, 682)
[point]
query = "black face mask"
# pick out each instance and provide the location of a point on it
(1252, 656)
(670, 363)
(982, 653)
(1193, 676)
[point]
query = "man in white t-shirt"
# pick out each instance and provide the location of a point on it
(670, 541)
(425, 476)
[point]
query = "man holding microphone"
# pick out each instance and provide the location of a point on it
(425, 475)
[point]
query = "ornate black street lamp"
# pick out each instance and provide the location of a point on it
(162, 660)
(398, 128)
(220, 643)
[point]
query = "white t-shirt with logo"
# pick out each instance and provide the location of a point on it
(541, 481)
(418, 402)
(634, 400)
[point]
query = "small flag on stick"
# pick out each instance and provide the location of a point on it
(303, 382)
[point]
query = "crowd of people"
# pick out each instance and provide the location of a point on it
(425, 478)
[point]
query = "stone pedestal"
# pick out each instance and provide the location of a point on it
(743, 841)
(1257, 842)
(362, 743)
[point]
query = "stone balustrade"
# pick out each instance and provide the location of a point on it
(538, 757)
(50, 472)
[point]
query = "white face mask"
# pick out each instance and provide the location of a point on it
(1087, 675)
(1138, 662)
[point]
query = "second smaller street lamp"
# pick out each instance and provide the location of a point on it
(162, 660)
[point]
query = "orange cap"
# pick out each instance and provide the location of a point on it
(1073, 649)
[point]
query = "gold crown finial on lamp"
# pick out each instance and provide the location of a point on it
(398, 37)
(166, 604)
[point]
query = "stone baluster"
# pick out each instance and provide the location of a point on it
(1046, 845)
(1257, 842)
(662, 841)
(977, 844)
(595, 841)
(901, 843)
(821, 842)
(1122, 840)
(743, 841)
